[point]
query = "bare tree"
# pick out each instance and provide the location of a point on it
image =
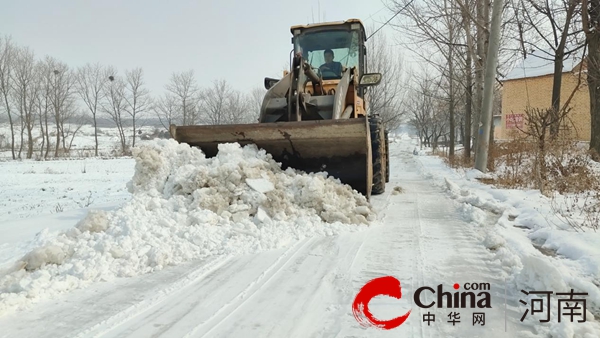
(91, 80)
(426, 107)
(46, 99)
(184, 88)
(71, 121)
(7, 51)
(137, 97)
(25, 91)
(77, 120)
(538, 122)
(212, 106)
(452, 37)
(434, 30)
(257, 95)
(591, 27)
(167, 110)
(114, 105)
(44, 105)
(220, 104)
(386, 99)
(238, 108)
(557, 37)
(62, 98)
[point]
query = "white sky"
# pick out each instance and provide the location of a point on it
(239, 41)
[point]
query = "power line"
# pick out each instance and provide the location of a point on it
(390, 19)
(371, 16)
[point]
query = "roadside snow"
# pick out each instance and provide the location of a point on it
(185, 207)
(538, 251)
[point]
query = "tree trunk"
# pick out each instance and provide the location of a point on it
(556, 85)
(593, 79)
(22, 133)
(29, 136)
(123, 141)
(451, 103)
(558, 70)
(133, 140)
(12, 128)
(30, 122)
(184, 113)
(491, 158)
(12, 136)
(56, 119)
(95, 134)
(47, 134)
(43, 136)
(468, 99)
(63, 136)
(461, 128)
(483, 10)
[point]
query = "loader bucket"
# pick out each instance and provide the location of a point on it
(342, 148)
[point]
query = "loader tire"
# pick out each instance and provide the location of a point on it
(387, 157)
(379, 157)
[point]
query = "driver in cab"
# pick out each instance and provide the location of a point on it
(330, 65)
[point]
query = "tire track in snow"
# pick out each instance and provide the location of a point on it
(416, 234)
(123, 316)
(305, 299)
(253, 288)
(391, 247)
(200, 299)
(453, 252)
(418, 268)
(427, 244)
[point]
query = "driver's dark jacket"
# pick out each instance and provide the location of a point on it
(335, 67)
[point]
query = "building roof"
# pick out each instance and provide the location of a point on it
(538, 64)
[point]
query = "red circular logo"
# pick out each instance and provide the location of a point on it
(382, 286)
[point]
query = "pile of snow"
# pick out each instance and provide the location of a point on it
(185, 206)
(537, 253)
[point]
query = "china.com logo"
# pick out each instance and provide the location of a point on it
(390, 286)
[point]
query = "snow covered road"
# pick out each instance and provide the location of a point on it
(306, 289)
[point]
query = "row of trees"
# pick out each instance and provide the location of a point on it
(451, 39)
(57, 100)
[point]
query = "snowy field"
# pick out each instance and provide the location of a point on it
(82, 143)
(171, 244)
(36, 188)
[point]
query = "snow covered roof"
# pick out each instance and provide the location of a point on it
(538, 63)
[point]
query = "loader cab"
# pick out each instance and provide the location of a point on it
(312, 92)
(344, 39)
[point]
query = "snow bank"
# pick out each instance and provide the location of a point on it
(537, 250)
(185, 206)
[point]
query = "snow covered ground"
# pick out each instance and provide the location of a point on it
(184, 246)
(82, 143)
(33, 188)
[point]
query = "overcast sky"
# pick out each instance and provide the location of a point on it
(239, 41)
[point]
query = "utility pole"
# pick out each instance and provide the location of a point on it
(483, 136)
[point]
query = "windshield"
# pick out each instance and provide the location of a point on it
(328, 51)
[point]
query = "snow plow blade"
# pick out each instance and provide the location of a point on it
(342, 148)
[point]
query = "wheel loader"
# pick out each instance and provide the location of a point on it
(315, 117)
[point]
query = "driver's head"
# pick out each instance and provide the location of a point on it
(328, 56)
